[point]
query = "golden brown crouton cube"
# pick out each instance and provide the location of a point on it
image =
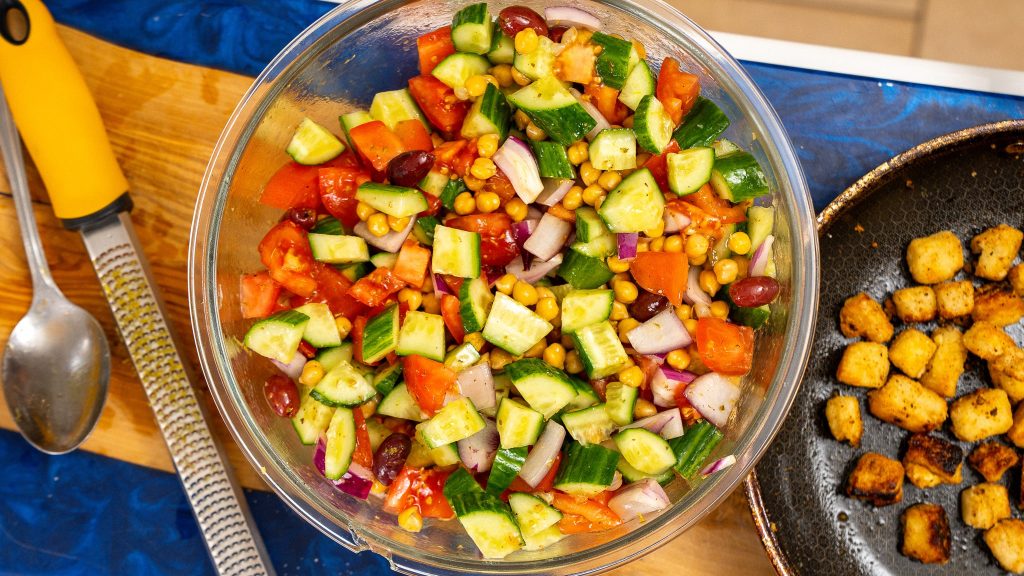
(926, 536)
(862, 316)
(996, 248)
(947, 363)
(1007, 372)
(997, 306)
(864, 364)
(1006, 541)
(876, 479)
(844, 421)
(1016, 431)
(988, 341)
(915, 304)
(907, 404)
(1016, 278)
(930, 461)
(985, 504)
(992, 460)
(935, 258)
(911, 352)
(954, 299)
(983, 413)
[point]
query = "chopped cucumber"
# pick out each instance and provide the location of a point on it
(328, 225)
(356, 271)
(278, 336)
(690, 169)
(585, 395)
(456, 252)
(554, 110)
(341, 443)
(507, 464)
(616, 60)
(581, 308)
(640, 82)
(760, 222)
(451, 191)
(321, 330)
(514, 327)
(517, 425)
(613, 149)
(331, 357)
(620, 400)
(589, 225)
(490, 114)
(447, 455)
(552, 160)
(353, 119)
(532, 514)
(630, 474)
(455, 69)
(488, 522)
(399, 403)
(653, 125)
(377, 432)
(384, 260)
(460, 483)
(586, 470)
(380, 337)
(724, 147)
(584, 272)
(419, 455)
(397, 201)
(395, 106)
(472, 29)
(422, 333)
(693, 448)
(545, 388)
(590, 425)
(434, 182)
(384, 380)
(543, 539)
(600, 247)
(461, 357)
(600, 350)
(475, 301)
(701, 126)
(738, 177)
(539, 63)
(313, 144)
(312, 418)
(458, 420)
(343, 386)
(645, 451)
(423, 230)
(635, 205)
(503, 48)
(338, 249)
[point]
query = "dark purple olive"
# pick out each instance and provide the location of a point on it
(390, 457)
(646, 305)
(408, 168)
(555, 33)
(754, 291)
(303, 217)
(282, 395)
(514, 19)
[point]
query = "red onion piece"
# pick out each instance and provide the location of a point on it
(663, 390)
(638, 498)
(673, 428)
(549, 237)
(477, 452)
(554, 190)
(684, 376)
(357, 481)
(718, 465)
(477, 384)
(521, 231)
(627, 242)
(714, 396)
(569, 16)
(759, 261)
(675, 221)
(542, 455)
(390, 242)
(668, 423)
(440, 286)
(662, 333)
(292, 369)
(616, 481)
(537, 271)
(515, 159)
(694, 295)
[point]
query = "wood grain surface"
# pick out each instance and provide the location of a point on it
(163, 119)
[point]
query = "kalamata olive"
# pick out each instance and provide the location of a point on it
(647, 305)
(754, 291)
(555, 33)
(282, 395)
(390, 457)
(517, 18)
(303, 217)
(408, 168)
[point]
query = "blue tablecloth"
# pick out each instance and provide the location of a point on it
(87, 514)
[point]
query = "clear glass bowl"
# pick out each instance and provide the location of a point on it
(363, 47)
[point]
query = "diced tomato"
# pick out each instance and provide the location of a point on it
(285, 252)
(413, 261)
(662, 273)
(500, 185)
(497, 245)
(428, 381)
(433, 205)
(603, 497)
(454, 283)
(607, 101)
(258, 294)
(307, 350)
(457, 156)
(689, 413)
(358, 327)
(439, 104)
(374, 288)
(376, 144)
(295, 185)
(433, 47)
(331, 289)
(363, 454)
(658, 165)
(576, 64)
(581, 515)
(338, 192)
(414, 135)
(452, 319)
(649, 367)
(546, 483)
(724, 347)
(676, 90)
(422, 488)
(707, 200)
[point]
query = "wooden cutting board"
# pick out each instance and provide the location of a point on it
(163, 119)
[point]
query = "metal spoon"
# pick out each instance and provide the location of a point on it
(56, 365)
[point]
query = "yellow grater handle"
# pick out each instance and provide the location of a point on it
(56, 115)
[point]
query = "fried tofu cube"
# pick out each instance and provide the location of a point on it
(936, 258)
(862, 316)
(1007, 372)
(1016, 278)
(996, 249)
(844, 421)
(985, 504)
(930, 461)
(876, 479)
(905, 403)
(992, 460)
(947, 363)
(926, 536)
(954, 299)
(1006, 542)
(911, 351)
(997, 306)
(988, 341)
(981, 414)
(916, 304)
(1016, 431)
(864, 364)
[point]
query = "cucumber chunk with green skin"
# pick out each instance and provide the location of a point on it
(460, 482)
(380, 337)
(423, 230)
(653, 125)
(472, 29)
(585, 396)
(458, 420)
(616, 60)
(532, 514)
(589, 225)
(397, 201)
(590, 425)
(760, 223)
(586, 470)
(581, 308)
(353, 119)
(341, 443)
(343, 386)
(447, 455)
(600, 247)
(635, 205)
(490, 114)
(503, 48)
(456, 68)
(489, 523)
(475, 301)
(542, 539)
(693, 448)
(277, 337)
(640, 82)
(321, 330)
(384, 260)
(645, 451)
(434, 182)
(313, 144)
(399, 403)
(540, 62)
(613, 149)
(461, 357)
(377, 432)
(356, 271)
(514, 327)
(507, 464)
(701, 126)
(385, 380)
(554, 110)
(331, 357)
(517, 425)
(338, 249)
(456, 252)
(545, 388)
(422, 333)
(631, 474)
(584, 272)
(419, 455)
(451, 191)
(690, 169)
(738, 177)
(312, 418)
(552, 159)
(724, 147)
(620, 400)
(395, 106)
(328, 225)
(600, 350)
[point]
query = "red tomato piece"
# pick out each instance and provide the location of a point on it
(414, 135)
(607, 101)
(413, 261)
(433, 205)
(358, 327)
(285, 252)
(576, 64)
(338, 192)
(422, 488)
(689, 413)
(500, 185)
(452, 318)
(376, 144)
(374, 288)
(363, 454)
(661, 273)
(658, 165)
(724, 347)
(546, 484)
(295, 185)
(428, 381)
(258, 295)
(562, 213)
(433, 47)
(676, 90)
(581, 515)
(439, 104)
(710, 202)
(497, 245)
